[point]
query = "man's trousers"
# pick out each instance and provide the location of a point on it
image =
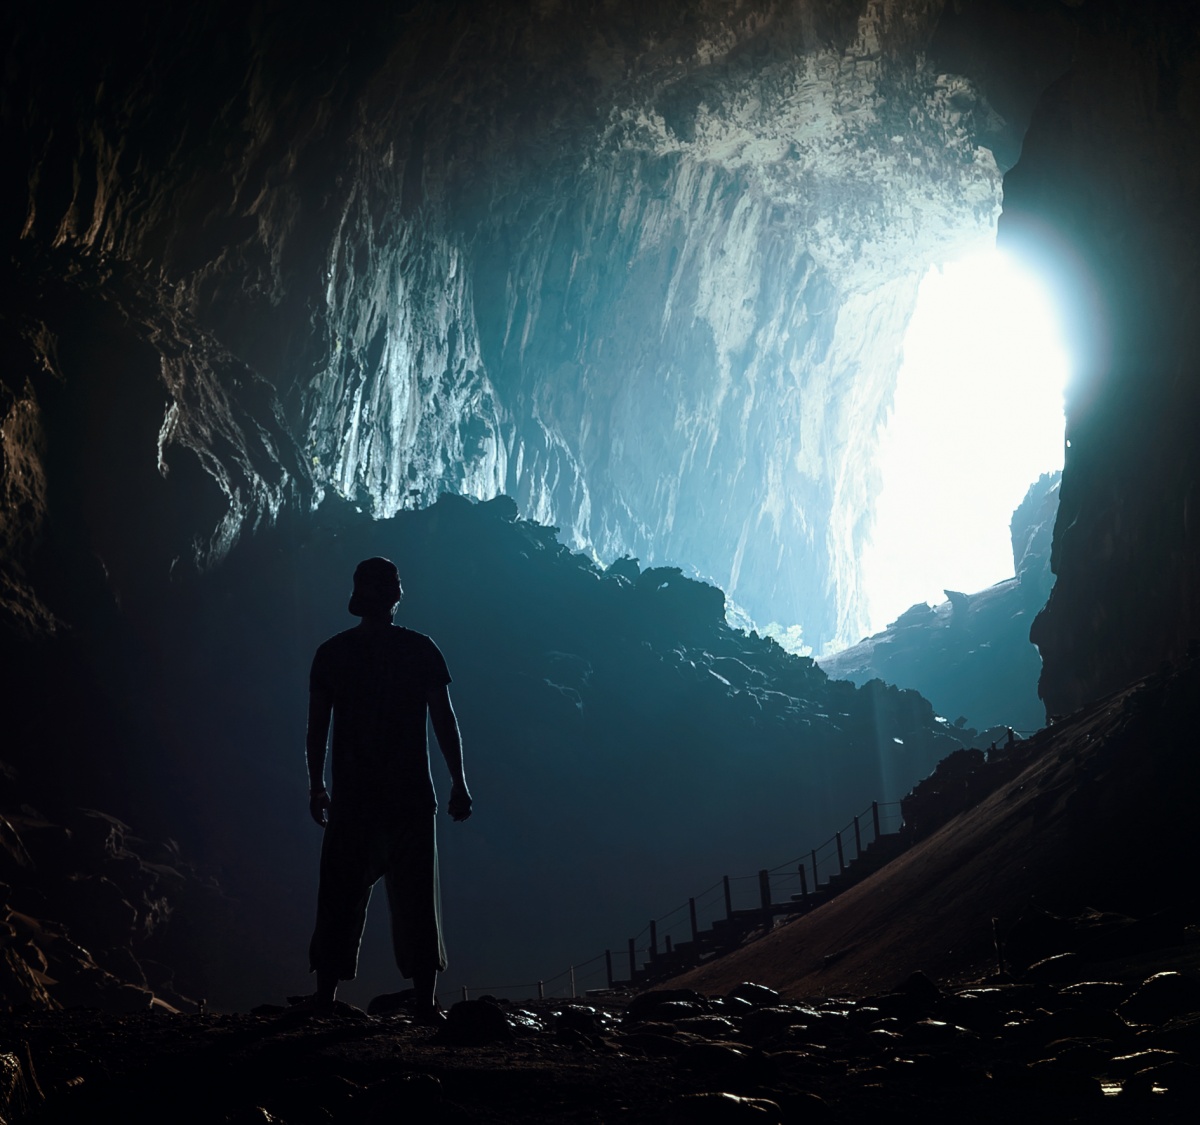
(359, 848)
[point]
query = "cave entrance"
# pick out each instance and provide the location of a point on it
(977, 418)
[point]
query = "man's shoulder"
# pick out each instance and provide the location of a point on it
(336, 651)
(421, 648)
(337, 641)
(416, 643)
(402, 634)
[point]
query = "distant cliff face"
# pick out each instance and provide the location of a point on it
(646, 270)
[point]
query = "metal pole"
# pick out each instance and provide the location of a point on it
(816, 877)
(841, 857)
(541, 990)
(692, 914)
(857, 840)
(465, 992)
(572, 982)
(653, 941)
(875, 817)
(764, 893)
(669, 945)
(728, 898)
(632, 962)
(803, 881)
(608, 966)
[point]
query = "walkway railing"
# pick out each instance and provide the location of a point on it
(712, 923)
(715, 920)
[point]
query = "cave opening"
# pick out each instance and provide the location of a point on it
(977, 417)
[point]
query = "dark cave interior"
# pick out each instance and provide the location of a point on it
(586, 315)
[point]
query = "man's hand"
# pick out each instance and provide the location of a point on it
(460, 801)
(318, 807)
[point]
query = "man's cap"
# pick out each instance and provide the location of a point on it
(376, 586)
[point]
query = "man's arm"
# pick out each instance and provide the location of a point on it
(320, 707)
(445, 729)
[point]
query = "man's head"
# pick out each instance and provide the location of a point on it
(376, 588)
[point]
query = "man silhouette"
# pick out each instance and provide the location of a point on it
(378, 681)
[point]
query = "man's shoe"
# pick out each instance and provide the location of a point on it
(430, 1015)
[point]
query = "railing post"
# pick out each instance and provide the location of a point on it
(841, 857)
(728, 898)
(764, 894)
(653, 941)
(875, 817)
(803, 880)
(692, 916)
(608, 966)
(857, 840)
(816, 877)
(632, 962)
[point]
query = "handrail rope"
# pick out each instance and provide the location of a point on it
(598, 957)
(671, 913)
(790, 863)
(575, 968)
(499, 987)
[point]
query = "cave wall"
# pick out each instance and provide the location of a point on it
(1105, 195)
(644, 268)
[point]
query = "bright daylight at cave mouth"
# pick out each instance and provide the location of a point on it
(977, 418)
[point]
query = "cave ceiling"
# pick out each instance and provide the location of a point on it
(644, 268)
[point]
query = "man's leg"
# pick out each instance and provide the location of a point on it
(347, 876)
(425, 992)
(415, 902)
(327, 983)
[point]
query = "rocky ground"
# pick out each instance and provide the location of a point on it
(1060, 1044)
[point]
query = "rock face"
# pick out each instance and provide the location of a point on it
(1102, 194)
(645, 271)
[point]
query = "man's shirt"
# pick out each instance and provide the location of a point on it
(379, 681)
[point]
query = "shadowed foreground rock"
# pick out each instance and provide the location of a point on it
(1076, 1042)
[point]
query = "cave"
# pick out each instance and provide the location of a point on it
(589, 316)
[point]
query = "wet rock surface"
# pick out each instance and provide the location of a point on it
(1089, 1050)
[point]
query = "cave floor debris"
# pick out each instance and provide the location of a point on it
(1048, 1047)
